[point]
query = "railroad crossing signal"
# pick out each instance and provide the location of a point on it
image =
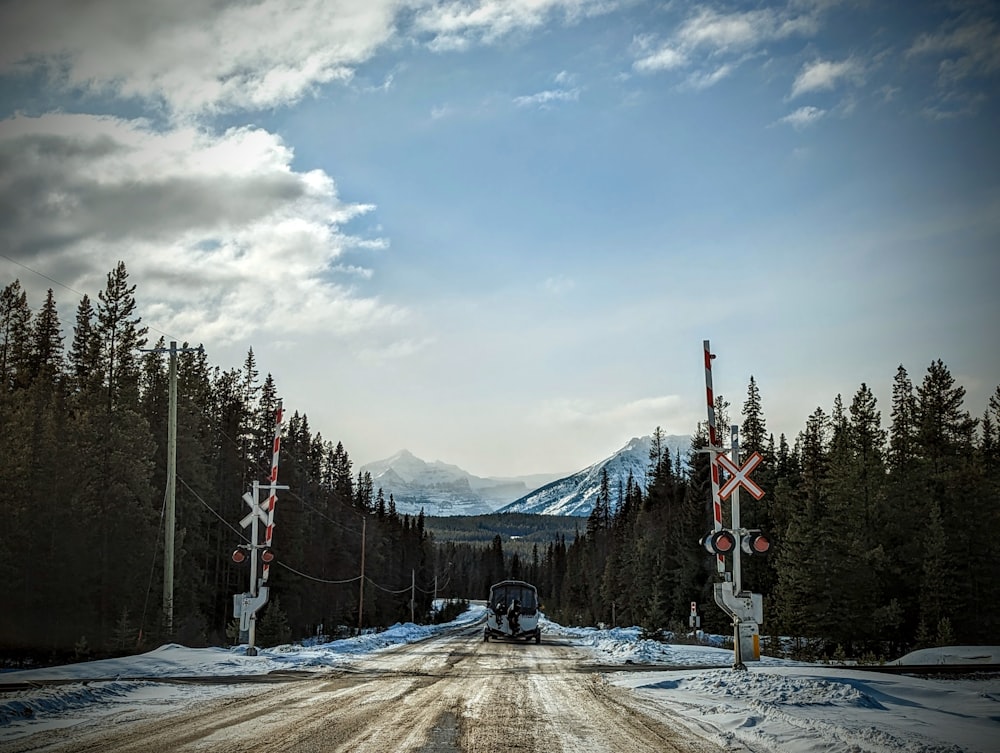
(719, 542)
(738, 475)
(746, 608)
(755, 542)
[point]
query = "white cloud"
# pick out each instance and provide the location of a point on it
(195, 56)
(968, 50)
(547, 97)
(232, 55)
(665, 58)
(635, 418)
(456, 24)
(804, 116)
(227, 238)
(707, 35)
(703, 80)
(741, 30)
(824, 75)
(394, 350)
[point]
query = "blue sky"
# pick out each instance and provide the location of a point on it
(496, 233)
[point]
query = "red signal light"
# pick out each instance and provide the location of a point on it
(719, 542)
(755, 542)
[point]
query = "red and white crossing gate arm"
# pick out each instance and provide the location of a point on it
(713, 451)
(272, 498)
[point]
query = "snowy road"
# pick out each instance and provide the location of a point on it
(452, 693)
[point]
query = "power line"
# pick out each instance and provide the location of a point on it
(277, 561)
(72, 290)
(41, 274)
(387, 590)
(318, 580)
(321, 513)
(212, 510)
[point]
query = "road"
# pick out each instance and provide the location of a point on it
(445, 695)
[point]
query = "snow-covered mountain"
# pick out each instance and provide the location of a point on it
(576, 494)
(443, 489)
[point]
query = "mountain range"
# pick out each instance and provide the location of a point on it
(441, 489)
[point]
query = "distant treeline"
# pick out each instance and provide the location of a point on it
(886, 538)
(514, 528)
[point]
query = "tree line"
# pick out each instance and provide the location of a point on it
(886, 537)
(83, 429)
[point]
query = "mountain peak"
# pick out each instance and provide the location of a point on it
(440, 488)
(575, 494)
(636, 443)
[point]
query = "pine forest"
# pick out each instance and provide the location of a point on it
(886, 528)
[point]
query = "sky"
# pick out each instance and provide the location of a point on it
(777, 704)
(497, 232)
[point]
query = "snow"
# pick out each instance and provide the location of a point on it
(776, 705)
(783, 705)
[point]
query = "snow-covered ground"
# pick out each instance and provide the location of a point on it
(783, 705)
(777, 705)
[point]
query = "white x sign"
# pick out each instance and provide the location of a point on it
(738, 476)
(255, 510)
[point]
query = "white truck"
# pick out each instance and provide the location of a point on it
(512, 612)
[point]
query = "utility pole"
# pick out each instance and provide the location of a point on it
(168, 542)
(413, 593)
(361, 591)
(171, 490)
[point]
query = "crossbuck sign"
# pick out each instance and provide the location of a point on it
(738, 475)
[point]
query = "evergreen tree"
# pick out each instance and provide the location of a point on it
(343, 487)
(944, 440)
(758, 571)
(599, 520)
(903, 428)
(937, 578)
(364, 492)
(753, 433)
(84, 355)
(803, 600)
(15, 339)
(273, 628)
(121, 337)
(45, 361)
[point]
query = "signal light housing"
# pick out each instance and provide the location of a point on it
(755, 542)
(267, 555)
(238, 556)
(719, 542)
